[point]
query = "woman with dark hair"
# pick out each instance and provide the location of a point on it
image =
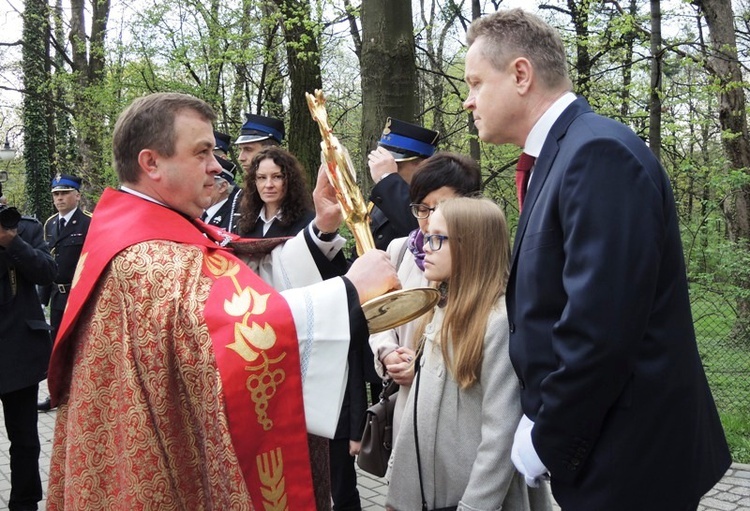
(276, 201)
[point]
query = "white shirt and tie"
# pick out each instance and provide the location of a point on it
(64, 220)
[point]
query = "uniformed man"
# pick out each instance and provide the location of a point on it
(225, 192)
(64, 232)
(219, 212)
(222, 147)
(258, 132)
(402, 147)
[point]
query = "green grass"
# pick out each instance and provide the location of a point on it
(727, 364)
(737, 430)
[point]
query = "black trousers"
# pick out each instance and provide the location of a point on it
(20, 412)
(55, 318)
(343, 477)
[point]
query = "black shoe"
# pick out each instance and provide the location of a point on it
(44, 406)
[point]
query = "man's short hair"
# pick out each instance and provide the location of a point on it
(513, 33)
(148, 123)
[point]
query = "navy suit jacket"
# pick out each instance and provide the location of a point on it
(601, 329)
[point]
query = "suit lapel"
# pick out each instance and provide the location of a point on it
(544, 164)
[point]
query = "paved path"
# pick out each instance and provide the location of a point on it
(732, 493)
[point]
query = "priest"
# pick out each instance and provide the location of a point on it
(180, 375)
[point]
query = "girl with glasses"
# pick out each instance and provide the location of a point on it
(453, 448)
(441, 176)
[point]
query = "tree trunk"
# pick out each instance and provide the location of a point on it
(579, 13)
(36, 108)
(303, 56)
(88, 69)
(654, 107)
(66, 154)
(627, 66)
(389, 71)
(724, 65)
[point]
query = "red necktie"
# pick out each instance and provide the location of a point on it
(523, 171)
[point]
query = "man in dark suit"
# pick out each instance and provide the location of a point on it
(617, 408)
(64, 232)
(401, 148)
(25, 347)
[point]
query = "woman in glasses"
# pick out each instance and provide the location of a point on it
(457, 430)
(276, 201)
(439, 177)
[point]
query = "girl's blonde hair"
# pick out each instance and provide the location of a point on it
(480, 256)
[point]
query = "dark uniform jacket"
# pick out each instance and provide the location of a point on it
(66, 250)
(25, 344)
(228, 214)
(391, 217)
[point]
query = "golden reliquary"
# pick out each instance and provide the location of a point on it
(396, 307)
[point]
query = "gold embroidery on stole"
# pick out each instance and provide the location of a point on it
(251, 340)
(271, 472)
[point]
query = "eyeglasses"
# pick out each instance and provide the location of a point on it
(276, 178)
(435, 241)
(421, 211)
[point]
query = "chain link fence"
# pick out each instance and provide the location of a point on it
(724, 345)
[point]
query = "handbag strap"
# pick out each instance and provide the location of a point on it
(416, 433)
(390, 387)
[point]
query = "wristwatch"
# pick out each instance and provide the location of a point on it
(324, 236)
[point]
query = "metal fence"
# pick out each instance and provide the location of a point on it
(724, 346)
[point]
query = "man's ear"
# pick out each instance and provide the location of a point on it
(148, 161)
(523, 72)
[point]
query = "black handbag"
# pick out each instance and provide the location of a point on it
(377, 438)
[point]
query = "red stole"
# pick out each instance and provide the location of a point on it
(253, 334)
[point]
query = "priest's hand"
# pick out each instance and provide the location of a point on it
(328, 215)
(372, 275)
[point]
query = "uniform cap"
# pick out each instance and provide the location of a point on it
(260, 127)
(227, 170)
(407, 141)
(66, 183)
(222, 142)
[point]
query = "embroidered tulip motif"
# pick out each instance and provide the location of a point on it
(248, 337)
(241, 302)
(220, 266)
